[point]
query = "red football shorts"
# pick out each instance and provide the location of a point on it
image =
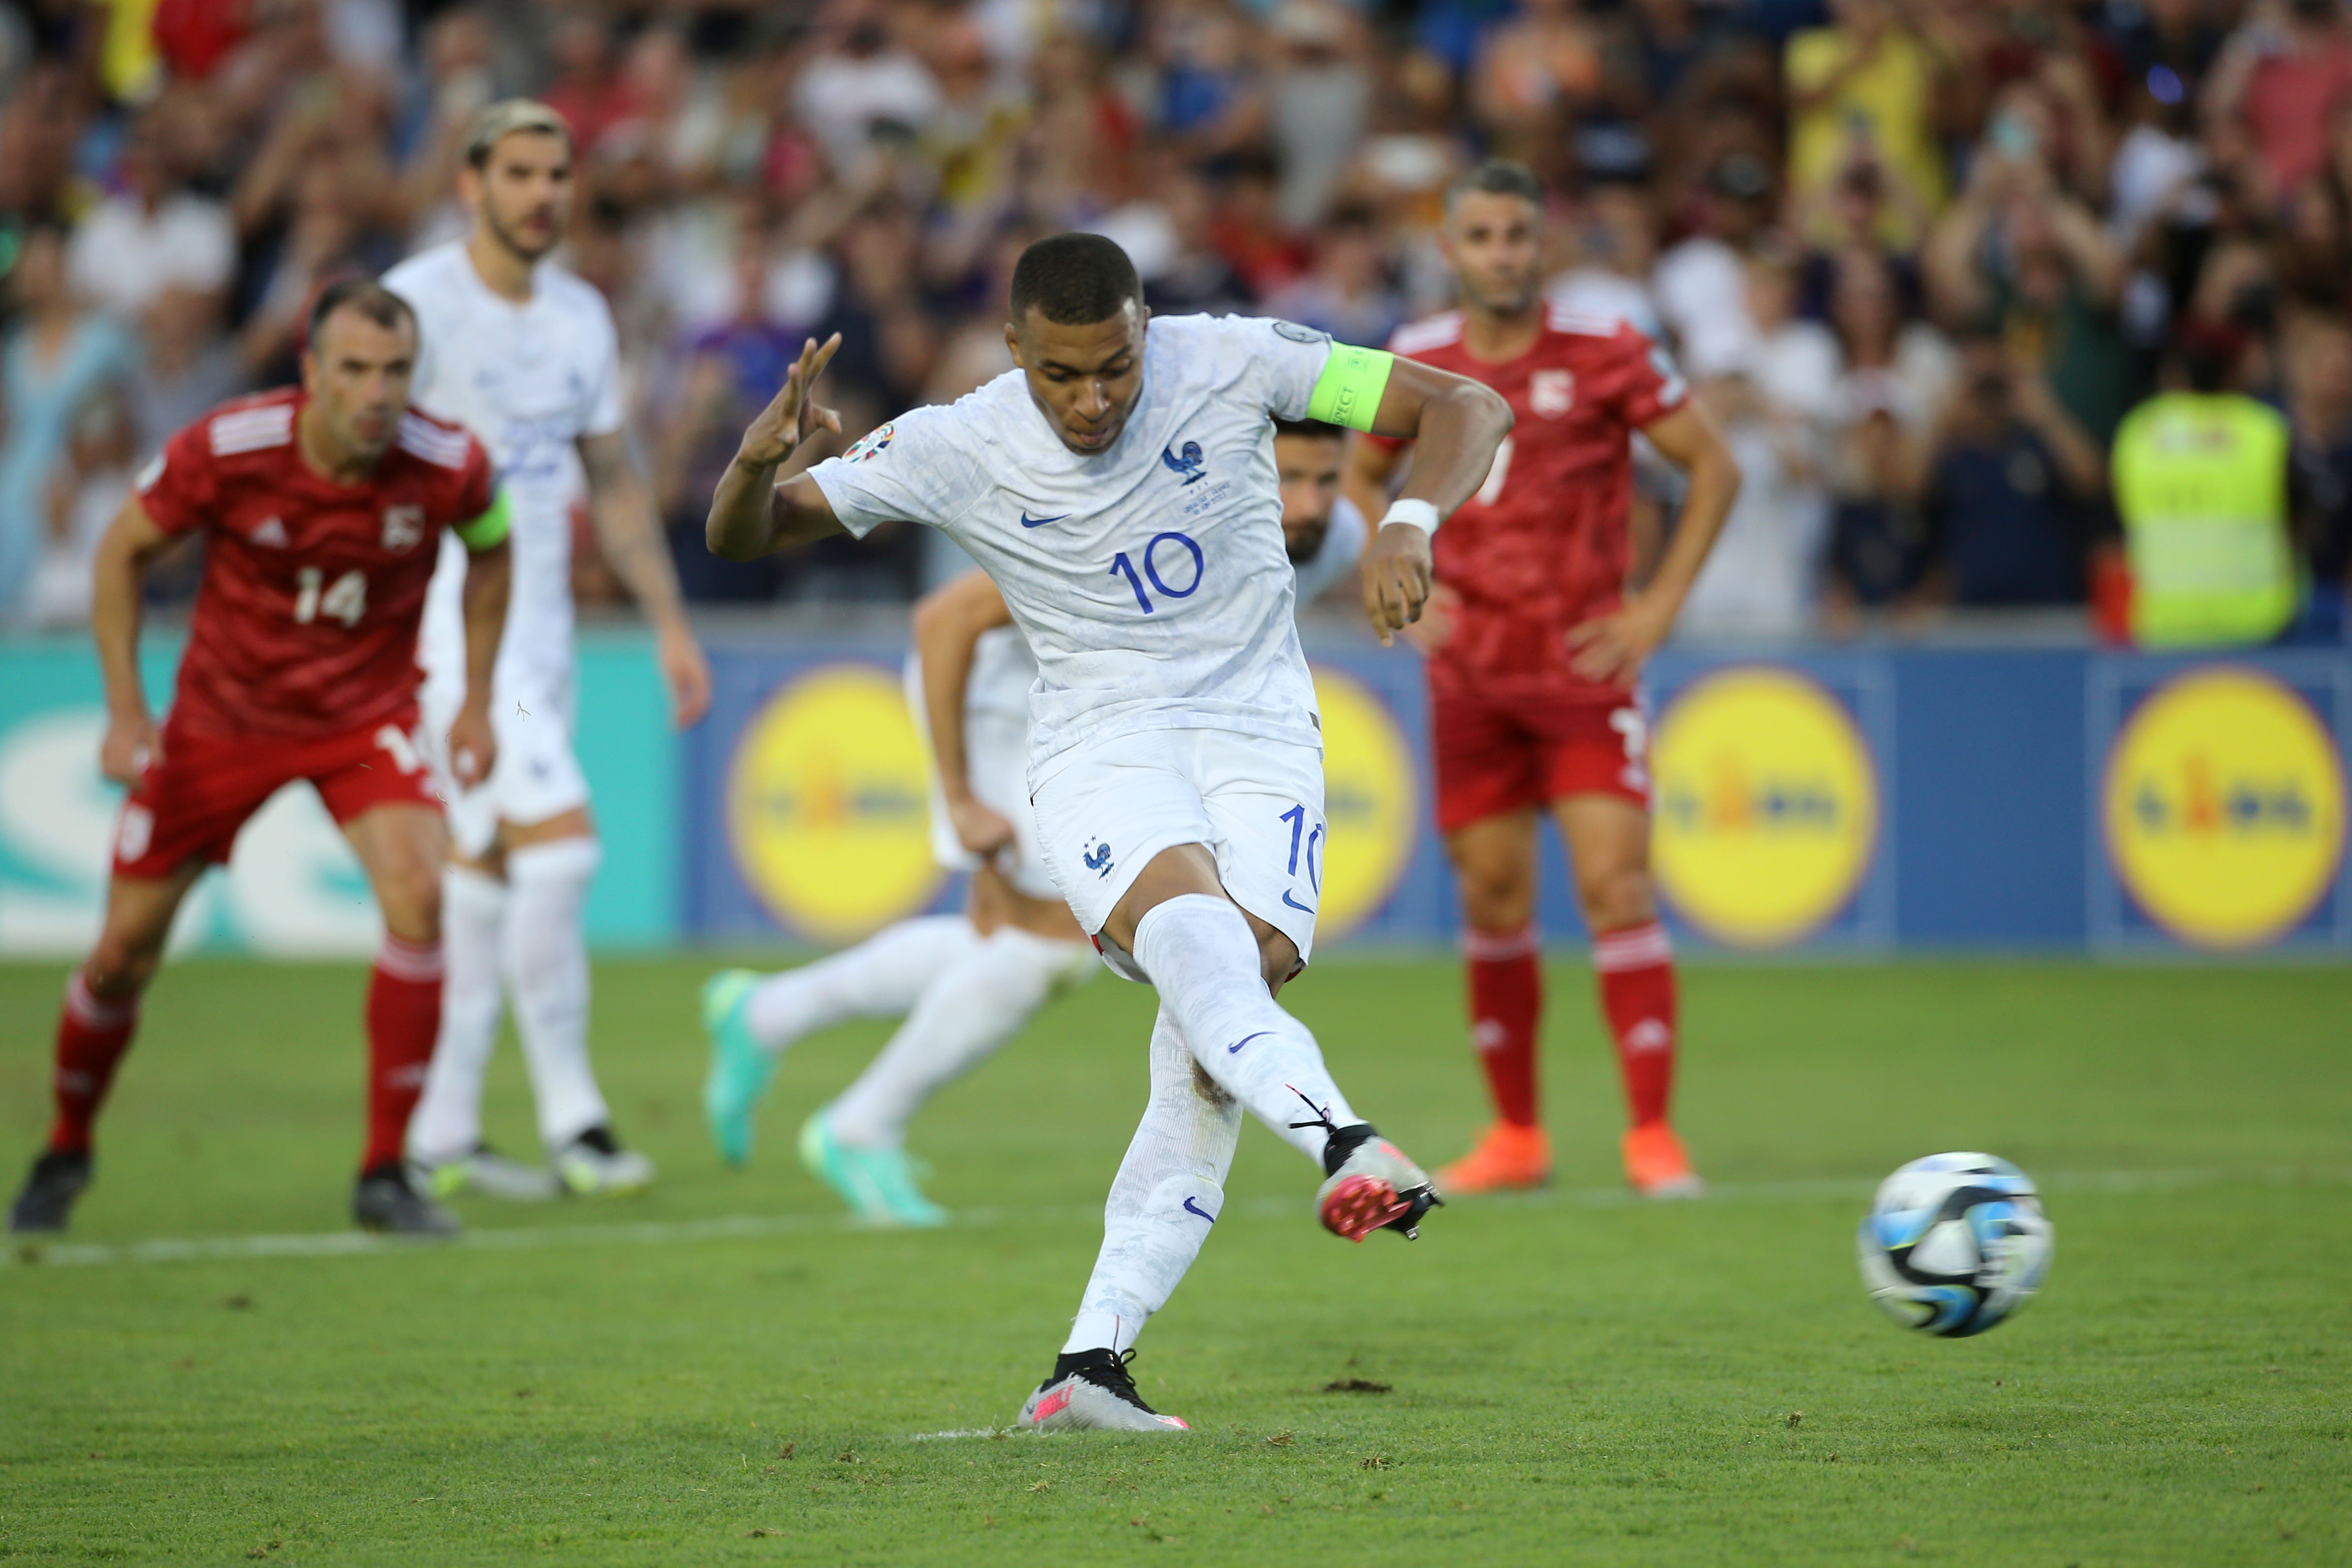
(1498, 754)
(198, 791)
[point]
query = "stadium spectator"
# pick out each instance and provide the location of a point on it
(152, 235)
(2021, 254)
(2319, 405)
(2283, 76)
(1863, 91)
(1348, 294)
(2009, 488)
(56, 357)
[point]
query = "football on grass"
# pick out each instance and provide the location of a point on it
(1955, 1244)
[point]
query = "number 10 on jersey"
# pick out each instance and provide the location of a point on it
(1165, 549)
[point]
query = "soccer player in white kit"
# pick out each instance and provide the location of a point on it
(966, 983)
(524, 353)
(1120, 487)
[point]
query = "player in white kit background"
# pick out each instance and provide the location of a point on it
(523, 353)
(1120, 487)
(965, 982)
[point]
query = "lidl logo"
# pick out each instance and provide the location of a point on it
(1767, 806)
(1368, 799)
(2224, 808)
(826, 806)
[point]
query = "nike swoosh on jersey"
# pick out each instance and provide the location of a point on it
(1197, 1209)
(1294, 903)
(1028, 521)
(1245, 1039)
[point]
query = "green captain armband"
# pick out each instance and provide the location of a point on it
(488, 531)
(1349, 391)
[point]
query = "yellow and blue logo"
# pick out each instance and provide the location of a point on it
(2223, 805)
(1369, 800)
(826, 806)
(1767, 806)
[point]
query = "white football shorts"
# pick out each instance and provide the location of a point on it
(1105, 810)
(537, 775)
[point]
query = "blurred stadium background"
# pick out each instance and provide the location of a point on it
(1921, 257)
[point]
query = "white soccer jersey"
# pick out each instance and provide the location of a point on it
(529, 380)
(1150, 580)
(1004, 671)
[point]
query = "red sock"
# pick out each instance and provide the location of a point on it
(1506, 1004)
(92, 1035)
(403, 1015)
(1636, 970)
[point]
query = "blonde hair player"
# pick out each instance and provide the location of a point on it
(523, 353)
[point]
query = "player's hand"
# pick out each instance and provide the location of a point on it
(686, 672)
(1613, 648)
(1435, 628)
(795, 414)
(473, 744)
(130, 745)
(979, 830)
(1396, 579)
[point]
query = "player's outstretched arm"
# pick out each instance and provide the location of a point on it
(131, 545)
(751, 514)
(1614, 646)
(473, 740)
(949, 622)
(1457, 424)
(627, 530)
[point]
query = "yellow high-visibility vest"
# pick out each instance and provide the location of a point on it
(2200, 479)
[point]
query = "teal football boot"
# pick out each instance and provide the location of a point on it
(879, 1185)
(740, 1070)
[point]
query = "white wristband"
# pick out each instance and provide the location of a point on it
(1420, 513)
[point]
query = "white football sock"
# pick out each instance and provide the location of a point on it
(547, 969)
(1170, 1190)
(963, 1016)
(447, 1122)
(881, 977)
(1200, 956)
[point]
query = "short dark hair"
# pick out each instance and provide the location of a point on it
(1312, 429)
(1074, 280)
(365, 295)
(1497, 177)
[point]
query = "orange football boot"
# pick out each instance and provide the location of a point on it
(1656, 1165)
(1508, 1157)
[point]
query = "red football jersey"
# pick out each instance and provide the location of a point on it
(1546, 543)
(306, 623)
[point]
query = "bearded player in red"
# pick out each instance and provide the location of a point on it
(1535, 648)
(321, 512)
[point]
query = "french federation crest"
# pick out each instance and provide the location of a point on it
(404, 527)
(1186, 461)
(871, 444)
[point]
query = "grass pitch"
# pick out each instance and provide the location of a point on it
(719, 1373)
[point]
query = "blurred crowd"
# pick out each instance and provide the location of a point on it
(1920, 256)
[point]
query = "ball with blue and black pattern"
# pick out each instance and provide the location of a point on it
(1955, 1244)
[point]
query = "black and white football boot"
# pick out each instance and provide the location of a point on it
(1092, 1391)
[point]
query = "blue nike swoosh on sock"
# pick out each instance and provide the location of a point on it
(1294, 903)
(1245, 1039)
(1197, 1209)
